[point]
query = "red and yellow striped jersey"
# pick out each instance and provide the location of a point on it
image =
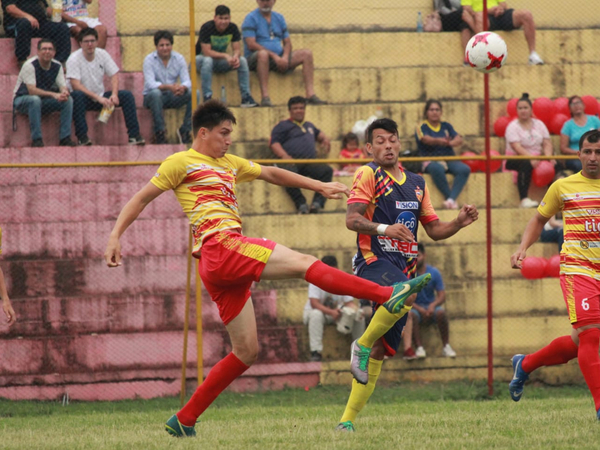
(206, 189)
(579, 199)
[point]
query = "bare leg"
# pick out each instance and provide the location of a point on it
(262, 70)
(442, 322)
(243, 334)
(285, 263)
(304, 57)
(407, 333)
(416, 334)
(478, 22)
(75, 31)
(102, 36)
(524, 18)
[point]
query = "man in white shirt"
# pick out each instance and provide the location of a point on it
(85, 70)
(41, 88)
(324, 308)
(162, 69)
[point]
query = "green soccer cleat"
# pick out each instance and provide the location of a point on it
(345, 427)
(359, 362)
(175, 428)
(404, 290)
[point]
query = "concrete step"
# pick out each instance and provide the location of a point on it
(8, 64)
(413, 49)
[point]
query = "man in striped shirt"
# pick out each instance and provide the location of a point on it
(578, 197)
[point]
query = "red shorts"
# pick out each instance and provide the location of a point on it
(229, 264)
(582, 296)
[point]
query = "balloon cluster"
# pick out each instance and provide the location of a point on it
(478, 165)
(554, 114)
(533, 267)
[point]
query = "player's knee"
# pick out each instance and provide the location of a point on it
(262, 55)
(247, 352)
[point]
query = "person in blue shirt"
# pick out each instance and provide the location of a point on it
(162, 69)
(269, 47)
(427, 308)
(437, 138)
(573, 129)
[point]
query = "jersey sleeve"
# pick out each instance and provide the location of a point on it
(235, 33)
(566, 128)
(170, 174)
(428, 214)
(246, 170)
(249, 27)
(363, 186)
(551, 203)
(279, 133)
(451, 131)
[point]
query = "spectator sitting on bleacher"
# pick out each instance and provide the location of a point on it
(264, 30)
(162, 69)
(294, 138)
(454, 18)
(75, 14)
(41, 89)
(437, 138)
(211, 55)
(427, 308)
(502, 18)
(85, 70)
(526, 136)
(26, 19)
(572, 131)
(323, 308)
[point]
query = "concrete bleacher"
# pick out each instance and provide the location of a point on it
(103, 333)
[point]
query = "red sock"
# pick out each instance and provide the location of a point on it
(589, 361)
(560, 351)
(221, 376)
(336, 282)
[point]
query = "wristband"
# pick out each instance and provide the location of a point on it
(381, 229)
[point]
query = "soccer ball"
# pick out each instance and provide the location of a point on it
(486, 52)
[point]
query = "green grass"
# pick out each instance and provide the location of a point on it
(409, 416)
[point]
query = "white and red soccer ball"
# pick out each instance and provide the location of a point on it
(486, 52)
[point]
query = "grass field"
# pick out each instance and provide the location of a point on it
(431, 416)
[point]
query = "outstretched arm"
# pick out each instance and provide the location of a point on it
(532, 233)
(281, 177)
(128, 214)
(437, 230)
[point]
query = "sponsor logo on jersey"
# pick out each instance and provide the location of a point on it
(593, 212)
(407, 205)
(157, 174)
(419, 193)
(408, 219)
(592, 226)
(584, 244)
(406, 249)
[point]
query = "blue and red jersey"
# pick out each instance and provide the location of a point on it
(390, 201)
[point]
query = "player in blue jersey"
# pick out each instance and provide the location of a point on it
(385, 207)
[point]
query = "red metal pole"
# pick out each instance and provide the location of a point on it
(488, 211)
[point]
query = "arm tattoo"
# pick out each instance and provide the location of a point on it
(360, 224)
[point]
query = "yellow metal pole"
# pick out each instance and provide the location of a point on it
(186, 321)
(199, 325)
(193, 76)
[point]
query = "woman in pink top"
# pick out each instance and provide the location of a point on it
(526, 136)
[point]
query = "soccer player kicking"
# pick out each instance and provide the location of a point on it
(204, 180)
(385, 207)
(578, 197)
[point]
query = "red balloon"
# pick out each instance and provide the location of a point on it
(533, 268)
(474, 164)
(591, 105)
(543, 174)
(511, 107)
(553, 267)
(556, 123)
(500, 125)
(495, 164)
(543, 109)
(561, 106)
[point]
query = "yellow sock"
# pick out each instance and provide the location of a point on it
(362, 392)
(381, 322)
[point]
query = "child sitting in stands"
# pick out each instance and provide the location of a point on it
(350, 150)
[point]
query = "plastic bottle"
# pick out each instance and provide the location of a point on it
(419, 22)
(223, 95)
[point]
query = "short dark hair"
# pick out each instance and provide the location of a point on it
(222, 10)
(349, 137)
(525, 98)
(421, 248)
(591, 136)
(428, 103)
(330, 260)
(46, 41)
(296, 100)
(384, 124)
(210, 114)
(87, 32)
(163, 34)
